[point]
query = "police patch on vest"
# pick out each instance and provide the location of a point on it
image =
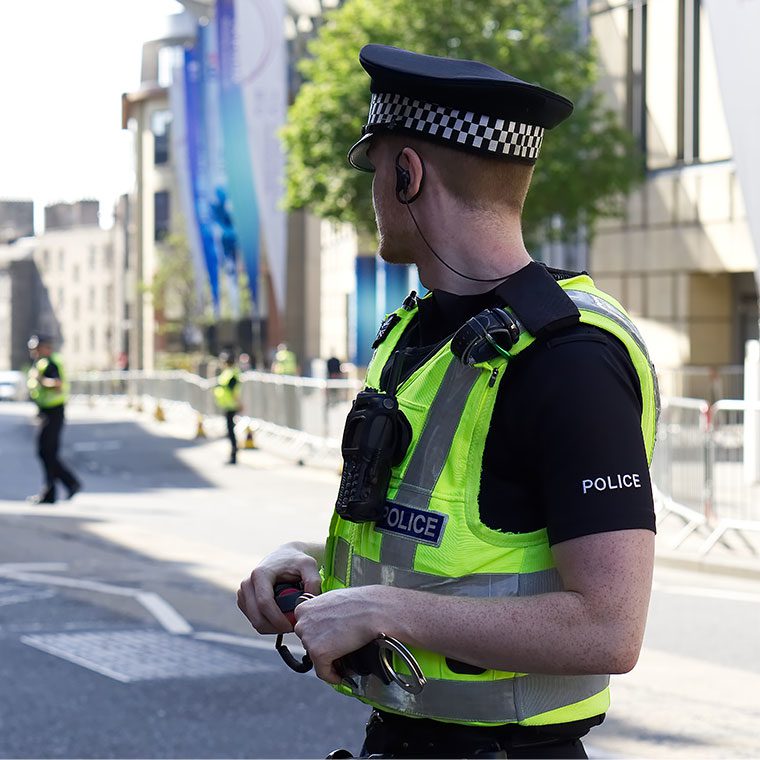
(421, 525)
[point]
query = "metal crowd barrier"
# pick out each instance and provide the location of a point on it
(698, 466)
(699, 471)
(298, 416)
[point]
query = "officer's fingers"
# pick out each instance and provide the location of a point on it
(325, 669)
(311, 579)
(246, 601)
(276, 620)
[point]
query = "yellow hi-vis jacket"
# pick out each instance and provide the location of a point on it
(432, 538)
(228, 398)
(47, 398)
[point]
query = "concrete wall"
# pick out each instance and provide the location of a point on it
(674, 259)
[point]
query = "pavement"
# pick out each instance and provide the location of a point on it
(119, 636)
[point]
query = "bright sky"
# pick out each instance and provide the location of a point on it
(63, 67)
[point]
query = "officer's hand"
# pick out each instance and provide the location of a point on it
(255, 598)
(335, 624)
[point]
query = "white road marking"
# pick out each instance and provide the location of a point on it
(710, 593)
(96, 446)
(71, 657)
(243, 641)
(12, 567)
(164, 613)
(28, 596)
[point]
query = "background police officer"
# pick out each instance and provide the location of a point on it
(285, 361)
(517, 589)
(227, 396)
(48, 389)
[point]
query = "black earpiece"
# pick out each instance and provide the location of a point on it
(403, 180)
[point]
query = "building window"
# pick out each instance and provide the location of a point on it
(636, 77)
(93, 257)
(160, 126)
(161, 214)
(45, 258)
(688, 80)
(61, 259)
(75, 308)
(92, 339)
(108, 256)
(75, 273)
(61, 292)
(91, 299)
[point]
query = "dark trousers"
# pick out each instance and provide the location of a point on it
(48, 441)
(231, 434)
(390, 738)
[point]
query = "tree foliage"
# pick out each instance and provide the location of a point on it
(586, 164)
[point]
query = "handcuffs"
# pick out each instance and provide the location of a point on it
(374, 658)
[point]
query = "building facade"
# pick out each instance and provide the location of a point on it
(682, 258)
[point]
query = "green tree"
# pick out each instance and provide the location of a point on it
(585, 167)
(173, 286)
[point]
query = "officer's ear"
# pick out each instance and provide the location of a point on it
(410, 175)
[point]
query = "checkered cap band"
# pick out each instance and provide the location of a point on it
(483, 133)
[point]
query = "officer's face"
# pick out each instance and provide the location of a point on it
(391, 218)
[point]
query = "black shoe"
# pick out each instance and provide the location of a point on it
(232, 460)
(74, 490)
(42, 498)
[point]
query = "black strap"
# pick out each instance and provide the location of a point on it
(539, 302)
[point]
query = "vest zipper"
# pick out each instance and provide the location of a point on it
(492, 379)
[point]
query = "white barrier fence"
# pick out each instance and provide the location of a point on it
(701, 468)
(298, 416)
(702, 472)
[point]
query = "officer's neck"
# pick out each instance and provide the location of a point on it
(482, 247)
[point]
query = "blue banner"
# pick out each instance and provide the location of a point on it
(225, 234)
(198, 160)
(364, 308)
(241, 188)
(396, 285)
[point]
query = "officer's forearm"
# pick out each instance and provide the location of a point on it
(597, 629)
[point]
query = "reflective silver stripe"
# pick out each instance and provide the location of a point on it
(504, 701)
(430, 455)
(340, 559)
(591, 302)
(367, 572)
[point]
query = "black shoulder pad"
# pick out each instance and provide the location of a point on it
(385, 328)
(538, 301)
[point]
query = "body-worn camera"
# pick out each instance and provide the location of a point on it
(375, 439)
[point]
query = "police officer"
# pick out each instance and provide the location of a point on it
(227, 395)
(285, 362)
(511, 548)
(48, 389)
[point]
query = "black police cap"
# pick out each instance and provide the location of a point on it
(466, 105)
(37, 340)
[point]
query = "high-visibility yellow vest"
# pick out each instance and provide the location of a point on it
(47, 398)
(433, 539)
(285, 362)
(228, 398)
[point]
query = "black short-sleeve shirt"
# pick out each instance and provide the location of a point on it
(52, 370)
(565, 449)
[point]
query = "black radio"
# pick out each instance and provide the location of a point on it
(375, 439)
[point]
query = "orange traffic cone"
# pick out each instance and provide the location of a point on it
(199, 431)
(249, 444)
(158, 414)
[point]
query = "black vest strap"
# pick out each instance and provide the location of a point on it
(539, 302)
